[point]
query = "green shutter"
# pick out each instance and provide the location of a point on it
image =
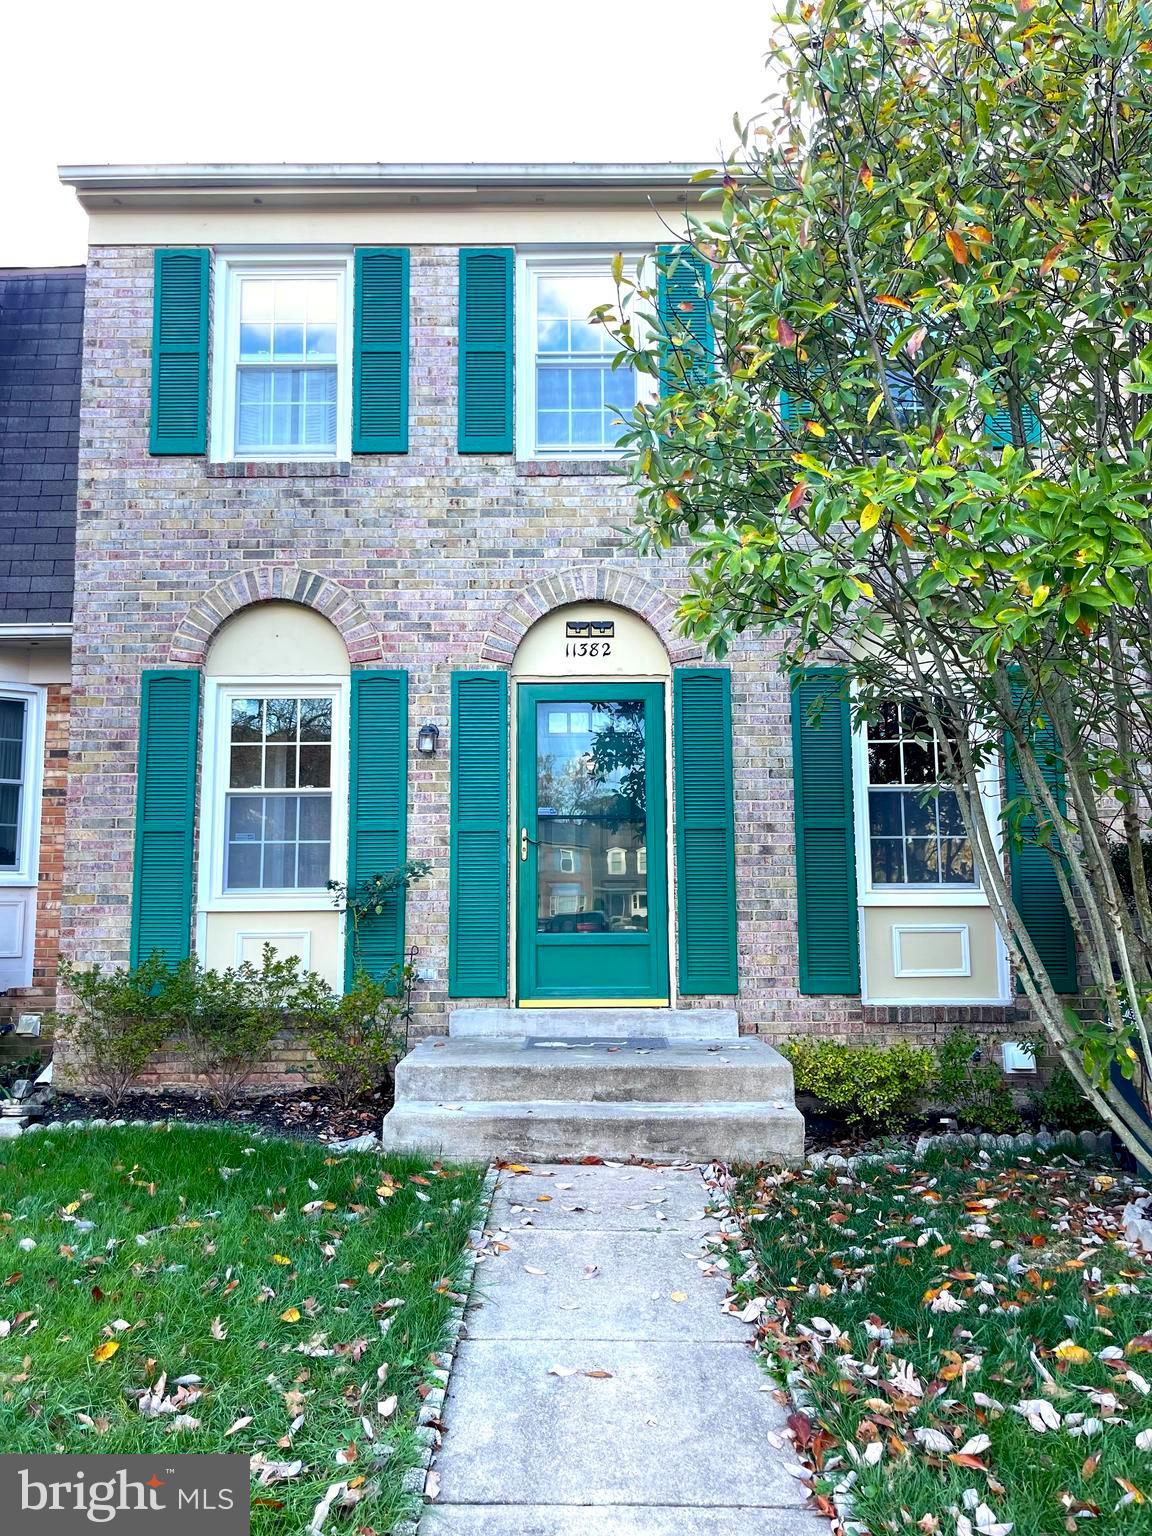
(998, 425)
(165, 815)
(486, 348)
(825, 833)
(380, 352)
(180, 352)
(478, 894)
(684, 307)
(378, 811)
(705, 834)
(1035, 886)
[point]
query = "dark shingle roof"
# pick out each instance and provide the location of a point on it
(41, 331)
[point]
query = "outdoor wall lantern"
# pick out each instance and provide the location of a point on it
(426, 738)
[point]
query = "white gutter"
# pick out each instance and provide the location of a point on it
(287, 176)
(35, 632)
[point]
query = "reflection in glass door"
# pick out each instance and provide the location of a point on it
(593, 903)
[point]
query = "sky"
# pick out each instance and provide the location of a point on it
(429, 80)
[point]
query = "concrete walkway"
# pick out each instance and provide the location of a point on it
(600, 1390)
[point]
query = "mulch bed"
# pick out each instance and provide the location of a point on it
(309, 1115)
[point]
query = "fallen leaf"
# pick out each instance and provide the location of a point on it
(105, 1351)
(1073, 1353)
(290, 1315)
(599, 1374)
(235, 1428)
(678, 1296)
(218, 1329)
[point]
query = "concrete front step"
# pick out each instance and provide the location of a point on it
(455, 1071)
(594, 1023)
(553, 1131)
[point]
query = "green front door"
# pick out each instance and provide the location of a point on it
(592, 914)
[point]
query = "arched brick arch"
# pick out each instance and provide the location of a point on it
(582, 584)
(275, 583)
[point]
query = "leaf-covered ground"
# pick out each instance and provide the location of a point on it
(201, 1290)
(972, 1344)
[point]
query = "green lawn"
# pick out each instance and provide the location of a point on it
(976, 1343)
(298, 1295)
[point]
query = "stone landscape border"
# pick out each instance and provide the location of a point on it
(417, 1478)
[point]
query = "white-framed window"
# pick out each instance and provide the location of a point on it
(274, 797)
(567, 860)
(570, 400)
(639, 903)
(564, 900)
(282, 373)
(641, 861)
(910, 836)
(617, 861)
(21, 774)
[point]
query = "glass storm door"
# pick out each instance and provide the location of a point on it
(592, 916)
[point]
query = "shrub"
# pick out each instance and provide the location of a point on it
(356, 1039)
(118, 1020)
(228, 1019)
(868, 1082)
(1061, 1106)
(973, 1087)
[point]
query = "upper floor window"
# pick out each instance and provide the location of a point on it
(571, 400)
(916, 835)
(617, 861)
(13, 733)
(282, 379)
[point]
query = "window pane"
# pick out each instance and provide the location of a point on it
(956, 863)
(887, 861)
(587, 389)
(315, 719)
(291, 299)
(320, 341)
(244, 768)
(247, 719)
(951, 820)
(245, 818)
(919, 815)
(288, 343)
(587, 427)
(281, 719)
(552, 389)
(883, 763)
(919, 764)
(256, 295)
(255, 343)
(922, 857)
(315, 865)
(9, 825)
(315, 817)
(279, 867)
(242, 867)
(884, 818)
(553, 429)
(315, 767)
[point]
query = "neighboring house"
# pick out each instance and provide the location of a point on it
(354, 584)
(41, 333)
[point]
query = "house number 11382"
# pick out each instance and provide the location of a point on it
(588, 648)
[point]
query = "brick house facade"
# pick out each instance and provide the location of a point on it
(431, 562)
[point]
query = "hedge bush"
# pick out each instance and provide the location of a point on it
(867, 1082)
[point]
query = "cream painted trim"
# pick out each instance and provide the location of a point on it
(901, 970)
(210, 895)
(35, 632)
(301, 935)
(348, 221)
(27, 870)
(230, 266)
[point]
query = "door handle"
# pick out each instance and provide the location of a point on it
(524, 841)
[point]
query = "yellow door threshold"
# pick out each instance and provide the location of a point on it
(593, 1002)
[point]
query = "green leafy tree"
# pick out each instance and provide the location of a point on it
(915, 438)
